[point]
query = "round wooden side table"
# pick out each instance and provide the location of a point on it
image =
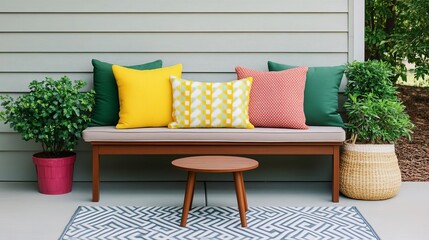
(215, 164)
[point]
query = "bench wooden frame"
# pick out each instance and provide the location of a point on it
(215, 148)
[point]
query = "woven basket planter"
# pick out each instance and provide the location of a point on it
(369, 171)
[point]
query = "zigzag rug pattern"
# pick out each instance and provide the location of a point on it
(126, 222)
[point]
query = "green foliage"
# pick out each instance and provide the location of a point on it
(375, 120)
(398, 30)
(53, 113)
(412, 35)
(375, 114)
(370, 77)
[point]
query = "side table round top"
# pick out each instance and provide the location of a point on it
(215, 164)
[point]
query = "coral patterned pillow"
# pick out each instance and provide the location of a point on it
(276, 98)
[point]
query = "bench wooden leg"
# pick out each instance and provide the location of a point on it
(238, 180)
(95, 174)
(336, 175)
(190, 184)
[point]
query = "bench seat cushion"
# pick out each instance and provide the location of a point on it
(313, 134)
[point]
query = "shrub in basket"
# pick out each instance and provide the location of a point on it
(369, 167)
(53, 113)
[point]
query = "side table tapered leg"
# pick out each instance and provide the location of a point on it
(240, 199)
(244, 192)
(192, 196)
(190, 184)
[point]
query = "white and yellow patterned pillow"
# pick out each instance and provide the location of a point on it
(210, 104)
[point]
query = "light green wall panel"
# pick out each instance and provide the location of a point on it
(157, 6)
(210, 38)
(12, 141)
(192, 62)
(18, 166)
(183, 22)
(204, 42)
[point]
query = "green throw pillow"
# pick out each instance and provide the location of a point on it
(320, 94)
(106, 109)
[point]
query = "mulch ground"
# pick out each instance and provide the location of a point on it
(414, 156)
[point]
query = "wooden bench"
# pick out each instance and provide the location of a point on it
(211, 141)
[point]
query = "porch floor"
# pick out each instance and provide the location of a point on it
(27, 214)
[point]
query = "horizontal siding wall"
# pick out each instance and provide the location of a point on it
(60, 37)
(173, 6)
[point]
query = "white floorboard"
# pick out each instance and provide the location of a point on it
(27, 214)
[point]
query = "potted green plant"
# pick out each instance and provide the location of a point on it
(369, 167)
(53, 113)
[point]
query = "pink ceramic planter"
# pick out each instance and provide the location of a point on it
(55, 175)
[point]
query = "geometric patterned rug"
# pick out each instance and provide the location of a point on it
(121, 222)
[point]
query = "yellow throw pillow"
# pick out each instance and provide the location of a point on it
(210, 104)
(145, 98)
